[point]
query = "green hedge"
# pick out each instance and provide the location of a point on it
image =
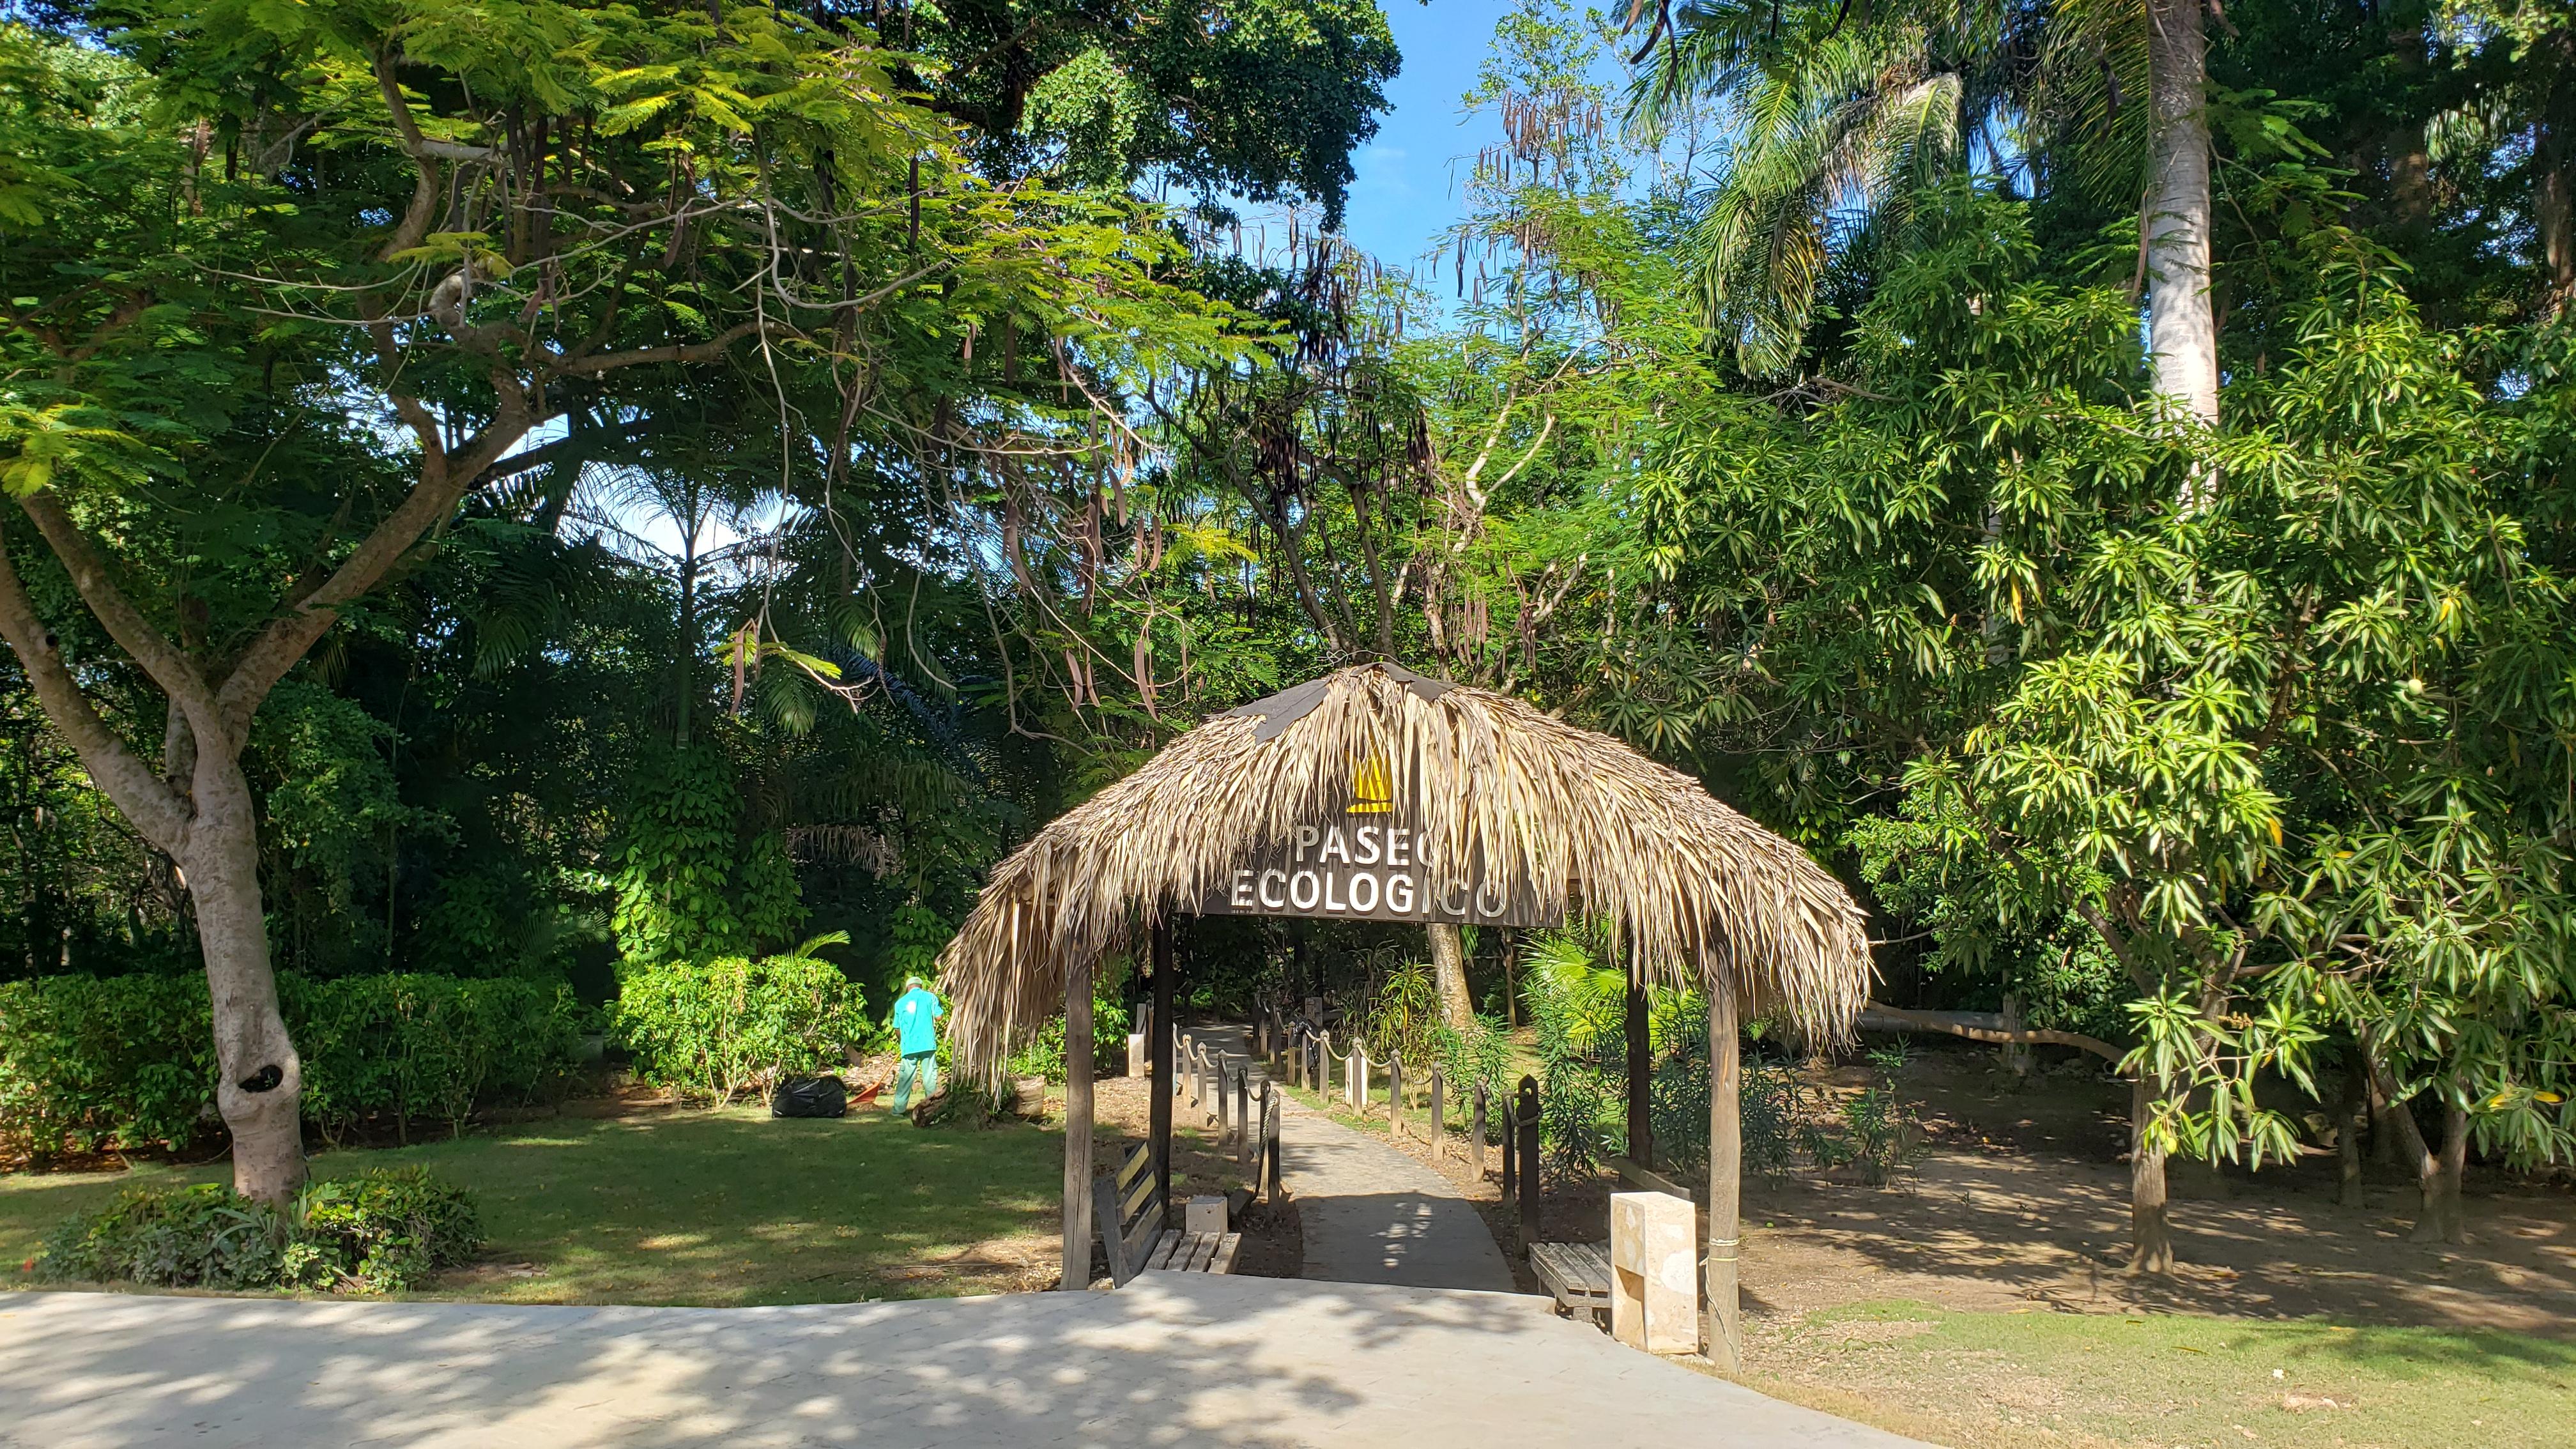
(715, 1029)
(89, 1062)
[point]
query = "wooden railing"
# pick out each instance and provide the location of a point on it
(1247, 1123)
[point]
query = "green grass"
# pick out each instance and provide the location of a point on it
(707, 1208)
(2013, 1379)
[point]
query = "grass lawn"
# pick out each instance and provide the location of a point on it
(2167, 1380)
(703, 1208)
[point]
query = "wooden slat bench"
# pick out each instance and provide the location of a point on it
(1128, 1205)
(1577, 1273)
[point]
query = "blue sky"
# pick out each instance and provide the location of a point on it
(1412, 173)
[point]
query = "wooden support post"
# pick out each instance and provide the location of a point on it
(1243, 1114)
(1357, 1078)
(1476, 1132)
(1161, 1124)
(1641, 1083)
(1525, 1111)
(1721, 1333)
(1511, 1157)
(1270, 1113)
(1395, 1098)
(1439, 1122)
(1216, 1089)
(1077, 1127)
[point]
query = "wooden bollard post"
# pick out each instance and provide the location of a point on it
(1511, 1151)
(1527, 1112)
(1395, 1097)
(1216, 1109)
(1270, 1145)
(1476, 1132)
(1243, 1114)
(1439, 1124)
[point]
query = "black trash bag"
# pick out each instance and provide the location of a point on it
(810, 1097)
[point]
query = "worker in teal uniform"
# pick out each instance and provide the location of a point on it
(916, 1024)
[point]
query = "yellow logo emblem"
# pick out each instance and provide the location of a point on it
(1371, 792)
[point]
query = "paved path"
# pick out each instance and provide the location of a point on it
(1375, 1215)
(1372, 1213)
(1174, 1359)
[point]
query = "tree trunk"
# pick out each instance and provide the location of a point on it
(1721, 1329)
(684, 668)
(2553, 210)
(2437, 1174)
(1449, 968)
(2150, 1230)
(2388, 1140)
(2356, 1115)
(2445, 1214)
(2182, 328)
(260, 1080)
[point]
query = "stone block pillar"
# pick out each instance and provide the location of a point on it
(1654, 1272)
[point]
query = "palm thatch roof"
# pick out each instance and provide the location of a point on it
(1695, 894)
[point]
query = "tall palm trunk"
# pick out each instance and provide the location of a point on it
(2182, 328)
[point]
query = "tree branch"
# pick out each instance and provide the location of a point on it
(689, 352)
(129, 781)
(286, 639)
(425, 190)
(1933, 1021)
(168, 666)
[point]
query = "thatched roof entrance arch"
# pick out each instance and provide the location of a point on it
(1696, 894)
(1527, 815)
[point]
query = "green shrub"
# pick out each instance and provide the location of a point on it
(88, 1062)
(380, 1231)
(201, 1236)
(713, 1030)
(411, 1047)
(1043, 1054)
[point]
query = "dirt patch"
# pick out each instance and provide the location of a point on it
(2020, 1201)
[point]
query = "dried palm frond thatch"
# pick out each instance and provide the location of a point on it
(1695, 894)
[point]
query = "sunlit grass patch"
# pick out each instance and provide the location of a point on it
(707, 1208)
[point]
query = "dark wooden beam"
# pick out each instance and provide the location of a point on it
(1641, 1077)
(1161, 1048)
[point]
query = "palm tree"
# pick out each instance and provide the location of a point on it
(1840, 121)
(1847, 111)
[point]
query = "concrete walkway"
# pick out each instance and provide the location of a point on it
(1172, 1359)
(1372, 1213)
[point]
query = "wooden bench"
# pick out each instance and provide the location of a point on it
(1128, 1205)
(1577, 1273)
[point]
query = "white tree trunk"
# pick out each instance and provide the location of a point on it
(2182, 328)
